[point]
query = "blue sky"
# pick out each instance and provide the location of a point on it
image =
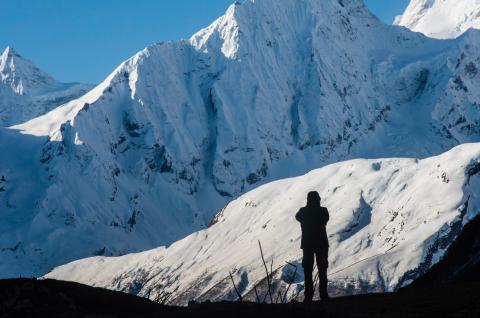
(84, 40)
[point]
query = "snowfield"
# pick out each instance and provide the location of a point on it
(270, 90)
(390, 220)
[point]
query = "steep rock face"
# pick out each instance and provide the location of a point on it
(461, 262)
(390, 221)
(272, 89)
(27, 92)
(442, 19)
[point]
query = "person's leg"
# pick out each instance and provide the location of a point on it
(322, 264)
(307, 264)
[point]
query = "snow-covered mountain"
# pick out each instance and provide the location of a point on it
(390, 221)
(272, 89)
(442, 19)
(27, 92)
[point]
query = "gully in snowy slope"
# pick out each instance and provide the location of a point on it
(313, 219)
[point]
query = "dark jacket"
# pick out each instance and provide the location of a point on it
(313, 220)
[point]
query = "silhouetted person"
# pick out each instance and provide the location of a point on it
(313, 219)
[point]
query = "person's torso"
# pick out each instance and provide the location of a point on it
(314, 233)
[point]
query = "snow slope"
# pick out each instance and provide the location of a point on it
(441, 19)
(390, 220)
(270, 90)
(27, 92)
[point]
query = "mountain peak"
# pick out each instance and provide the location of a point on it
(442, 19)
(27, 92)
(7, 51)
(8, 55)
(21, 75)
(240, 30)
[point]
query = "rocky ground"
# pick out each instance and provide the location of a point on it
(49, 298)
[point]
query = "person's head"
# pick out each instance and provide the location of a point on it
(313, 198)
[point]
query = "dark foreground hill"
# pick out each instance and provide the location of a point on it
(49, 298)
(461, 263)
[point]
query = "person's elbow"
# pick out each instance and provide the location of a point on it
(298, 217)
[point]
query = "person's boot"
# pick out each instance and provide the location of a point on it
(324, 297)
